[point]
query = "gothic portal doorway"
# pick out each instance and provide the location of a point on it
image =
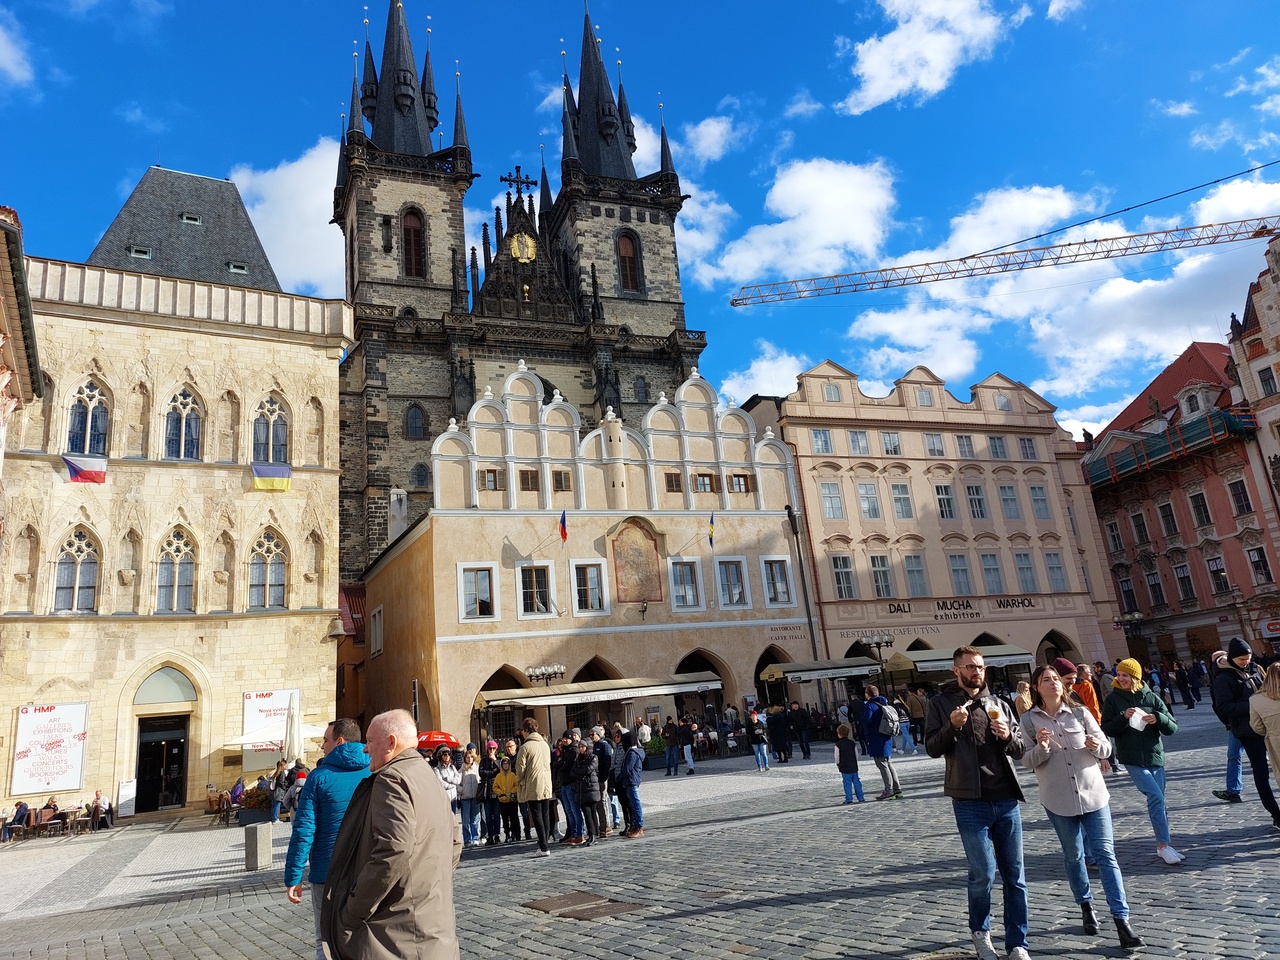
(162, 763)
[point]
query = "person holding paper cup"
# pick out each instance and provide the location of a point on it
(1137, 719)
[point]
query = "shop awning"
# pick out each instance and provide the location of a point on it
(598, 691)
(933, 661)
(819, 670)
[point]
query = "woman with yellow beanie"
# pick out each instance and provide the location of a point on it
(1137, 719)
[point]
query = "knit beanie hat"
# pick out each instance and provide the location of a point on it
(1132, 668)
(1237, 648)
(1064, 667)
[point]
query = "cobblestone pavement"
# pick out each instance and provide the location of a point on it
(734, 864)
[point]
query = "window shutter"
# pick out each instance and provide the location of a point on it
(480, 474)
(502, 479)
(715, 483)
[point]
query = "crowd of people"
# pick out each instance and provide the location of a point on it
(96, 814)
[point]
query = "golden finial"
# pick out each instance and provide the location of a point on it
(428, 33)
(366, 24)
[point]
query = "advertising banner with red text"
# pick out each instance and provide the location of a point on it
(265, 710)
(48, 751)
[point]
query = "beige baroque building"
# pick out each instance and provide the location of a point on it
(160, 601)
(647, 615)
(936, 522)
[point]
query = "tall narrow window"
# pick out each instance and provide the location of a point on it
(977, 501)
(1009, 502)
(76, 586)
(842, 573)
(917, 580)
(777, 582)
(1240, 497)
(415, 423)
(415, 261)
(420, 475)
(589, 584)
(1186, 589)
(684, 584)
(1155, 588)
(961, 585)
(87, 432)
(1168, 521)
(733, 587)
(175, 586)
(1128, 599)
(901, 501)
(1200, 510)
(1057, 572)
(1258, 564)
(946, 501)
(1114, 540)
(1026, 573)
(869, 501)
(832, 504)
(266, 573)
(642, 390)
(535, 590)
(1040, 503)
(477, 593)
(992, 578)
(182, 428)
(882, 577)
(628, 263)
(1218, 575)
(270, 433)
(1139, 521)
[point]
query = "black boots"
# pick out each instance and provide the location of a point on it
(1128, 939)
(1089, 918)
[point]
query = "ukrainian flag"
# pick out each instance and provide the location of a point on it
(271, 476)
(711, 531)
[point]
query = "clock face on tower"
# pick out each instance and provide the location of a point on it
(523, 247)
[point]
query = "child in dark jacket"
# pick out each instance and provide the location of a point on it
(847, 763)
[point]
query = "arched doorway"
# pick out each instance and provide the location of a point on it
(584, 716)
(500, 723)
(162, 707)
(1053, 645)
(986, 640)
(771, 692)
(705, 704)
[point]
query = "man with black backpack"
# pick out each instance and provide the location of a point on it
(882, 724)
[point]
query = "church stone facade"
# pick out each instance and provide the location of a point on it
(584, 286)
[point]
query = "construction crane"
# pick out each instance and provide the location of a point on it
(1008, 261)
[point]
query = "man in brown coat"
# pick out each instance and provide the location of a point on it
(389, 893)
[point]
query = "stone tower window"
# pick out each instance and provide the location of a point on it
(182, 428)
(76, 587)
(271, 433)
(175, 585)
(89, 421)
(642, 390)
(415, 423)
(629, 262)
(413, 248)
(267, 572)
(421, 476)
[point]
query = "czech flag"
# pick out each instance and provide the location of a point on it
(564, 528)
(86, 469)
(711, 531)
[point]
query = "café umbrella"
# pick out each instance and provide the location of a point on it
(273, 733)
(291, 747)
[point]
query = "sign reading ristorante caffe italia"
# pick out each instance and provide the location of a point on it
(958, 608)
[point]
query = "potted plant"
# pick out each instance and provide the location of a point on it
(655, 752)
(255, 807)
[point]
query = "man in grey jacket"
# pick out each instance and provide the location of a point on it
(980, 739)
(389, 892)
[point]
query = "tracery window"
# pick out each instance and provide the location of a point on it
(182, 428)
(267, 572)
(271, 433)
(90, 419)
(76, 580)
(175, 585)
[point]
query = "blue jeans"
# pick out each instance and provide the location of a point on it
(852, 785)
(762, 755)
(1093, 829)
(1255, 748)
(1235, 769)
(275, 810)
(688, 755)
(991, 834)
(903, 740)
(492, 817)
(1150, 782)
(804, 743)
(633, 800)
(470, 820)
(615, 809)
(574, 824)
(673, 758)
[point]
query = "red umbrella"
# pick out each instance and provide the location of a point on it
(431, 739)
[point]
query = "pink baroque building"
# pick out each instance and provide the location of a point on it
(1188, 518)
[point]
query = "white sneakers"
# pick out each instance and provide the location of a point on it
(1169, 855)
(1019, 953)
(982, 943)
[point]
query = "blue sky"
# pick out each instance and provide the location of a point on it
(817, 138)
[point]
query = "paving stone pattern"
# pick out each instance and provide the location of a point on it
(733, 864)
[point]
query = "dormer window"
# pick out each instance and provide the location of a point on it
(1193, 404)
(142, 253)
(190, 218)
(235, 266)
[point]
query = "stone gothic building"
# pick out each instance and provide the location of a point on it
(583, 285)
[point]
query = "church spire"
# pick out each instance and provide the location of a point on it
(667, 166)
(544, 195)
(400, 122)
(459, 121)
(624, 114)
(429, 99)
(602, 146)
(368, 89)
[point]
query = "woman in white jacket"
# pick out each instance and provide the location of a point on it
(1065, 747)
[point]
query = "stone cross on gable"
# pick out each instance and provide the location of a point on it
(519, 182)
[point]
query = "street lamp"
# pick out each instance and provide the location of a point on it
(546, 673)
(1131, 624)
(880, 641)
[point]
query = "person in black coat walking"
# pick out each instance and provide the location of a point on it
(1238, 679)
(586, 789)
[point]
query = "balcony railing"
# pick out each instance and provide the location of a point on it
(1183, 439)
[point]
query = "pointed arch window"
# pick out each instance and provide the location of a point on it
(76, 580)
(629, 262)
(421, 476)
(267, 566)
(271, 433)
(90, 419)
(414, 247)
(182, 427)
(175, 585)
(415, 423)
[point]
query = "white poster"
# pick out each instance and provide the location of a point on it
(127, 798)
(265, 710)
(48, 751)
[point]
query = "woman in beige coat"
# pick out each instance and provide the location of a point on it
(1264, 713)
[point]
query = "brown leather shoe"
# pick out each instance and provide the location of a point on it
(636, 832)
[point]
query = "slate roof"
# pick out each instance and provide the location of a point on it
(157, 218)
(1199, 363)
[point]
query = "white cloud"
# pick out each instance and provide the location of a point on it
(1061, 9)
(802, 105)
(15, 62)
(1214, 138)
(828, 213)
(291, 206)
(932, 40)
(772, 373)
(1267, 78)
(1175, 108)
(1091, 417)
(553, 100)
(648, 155)
(1270, 106)
(940, 339)
(710, 139)
(133, 113)
(702, 222)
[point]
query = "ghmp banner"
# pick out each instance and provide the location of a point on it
(48, 751)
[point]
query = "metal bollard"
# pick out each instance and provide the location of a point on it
(258, 854)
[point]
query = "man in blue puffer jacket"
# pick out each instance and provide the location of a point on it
(321, 807)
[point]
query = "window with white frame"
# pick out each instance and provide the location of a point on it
(821, 441)
(267, 564)
(686, 593)
(376, 632)
(933, 445)
(961, 584)
(859, 445)
(1071, 519)
(1026, 573)
(831, 392)
(892, 442)
(977, 501)
(869, 501)
(1186, 588)
(777, 581)
(1168, 520)
(477, 597)
(946, 501)
(1057, 572)
(1240, 501)
(1200, 509)
(492, 479)
(76, 584)
(1155, 588)
(731, 575)
(882, 576)
(842, 573)
(1128, 599)
(588, 588)
(1259, 566)
(1009, 502)
(917, 577)
(1218, 575)
(964, 446)
(740, 483)
(535, 590)
(1040, 502)
(1139, 521)
(832, 502)
(924, 397)
(901, 494)
(997, 448)
(1027, 448)
(992, 576)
